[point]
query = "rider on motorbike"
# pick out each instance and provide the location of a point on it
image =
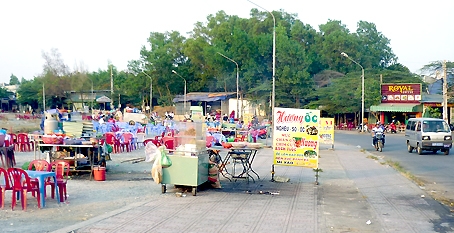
(377, 128)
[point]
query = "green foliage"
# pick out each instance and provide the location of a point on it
(309, 70)
(13, 80)
(434, 112)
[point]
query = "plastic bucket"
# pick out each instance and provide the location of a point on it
(99, 173)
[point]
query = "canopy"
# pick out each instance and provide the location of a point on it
(397, 107)
(103, 99)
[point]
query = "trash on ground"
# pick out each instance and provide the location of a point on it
(368, 222)
(281, 179)
(423, 196)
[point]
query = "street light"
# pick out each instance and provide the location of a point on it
(274, 59)
(151, 91)
(92, 97)
(173, 71)
(362, 89)
(237, 84)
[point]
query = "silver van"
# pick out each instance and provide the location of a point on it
(430, 134)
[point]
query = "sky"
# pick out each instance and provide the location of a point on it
(92, 33)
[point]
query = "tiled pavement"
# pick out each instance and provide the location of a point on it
(353, 189)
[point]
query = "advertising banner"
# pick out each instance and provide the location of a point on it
(296, 137)
(401, 93)
(247, 117)
(327, 131)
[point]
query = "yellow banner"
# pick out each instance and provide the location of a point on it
(247, 117)
(296, 137)
(327, 131)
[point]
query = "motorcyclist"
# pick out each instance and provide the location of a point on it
(393, 127)
(377, 128)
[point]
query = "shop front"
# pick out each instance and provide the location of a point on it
(399, 102)
(433, 107)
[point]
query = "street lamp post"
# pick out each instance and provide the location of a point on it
(151, 91)
(362, 89)
(273, 97)
(92, 97)
(173, 71)
(237, 84)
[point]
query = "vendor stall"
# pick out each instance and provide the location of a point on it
(80, 157)
(189, 159)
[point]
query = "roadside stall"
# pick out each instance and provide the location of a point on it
(189, 159)
(82, 154)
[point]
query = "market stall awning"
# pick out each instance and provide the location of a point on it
(396, 108)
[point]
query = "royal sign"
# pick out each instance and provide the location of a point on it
(401, 93)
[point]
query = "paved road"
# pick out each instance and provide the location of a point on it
(436, 170)
(356, 194)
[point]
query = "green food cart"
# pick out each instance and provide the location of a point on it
(189, 158)
(186, 170)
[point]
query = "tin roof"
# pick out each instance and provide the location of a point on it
(204, 96)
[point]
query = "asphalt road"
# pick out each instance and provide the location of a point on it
(436, 170)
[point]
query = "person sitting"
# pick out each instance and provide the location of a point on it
(393, 127)
(232, 116)
(240, 125)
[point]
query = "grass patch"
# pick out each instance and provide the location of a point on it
(401, 170)
(372, 157)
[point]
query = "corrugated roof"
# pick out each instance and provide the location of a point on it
(204, 96)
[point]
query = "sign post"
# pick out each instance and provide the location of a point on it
(296, 137)
(327, 131)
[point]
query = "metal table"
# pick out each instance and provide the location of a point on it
(90, 157)
(243, 156)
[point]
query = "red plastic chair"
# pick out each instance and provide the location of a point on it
(141, 129)
(21, 186)
(5, 185)
(13, 141)
(168, 143)
(23, 142)
(128, 142)
(210, 140)
(39, 165)
(61, 169)
(112, 140)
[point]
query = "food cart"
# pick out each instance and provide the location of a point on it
(189, 158)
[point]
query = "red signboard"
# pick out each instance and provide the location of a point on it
(401, 93)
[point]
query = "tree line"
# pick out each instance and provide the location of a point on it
(310, 71)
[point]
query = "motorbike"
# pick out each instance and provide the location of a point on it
(262, 132)
(379, 141)
(359, 128)
(391, 129)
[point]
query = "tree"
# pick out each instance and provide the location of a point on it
(30, 93)
(13, 80)
(375, 48)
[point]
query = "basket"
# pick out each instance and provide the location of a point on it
(58, 140)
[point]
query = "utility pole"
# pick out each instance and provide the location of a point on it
(44, 99)
(445, 93)
(111, 88)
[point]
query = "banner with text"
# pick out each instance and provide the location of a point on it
(296, 137)
(327, 131)
(401, 93)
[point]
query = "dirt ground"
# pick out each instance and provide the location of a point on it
(125, 183)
